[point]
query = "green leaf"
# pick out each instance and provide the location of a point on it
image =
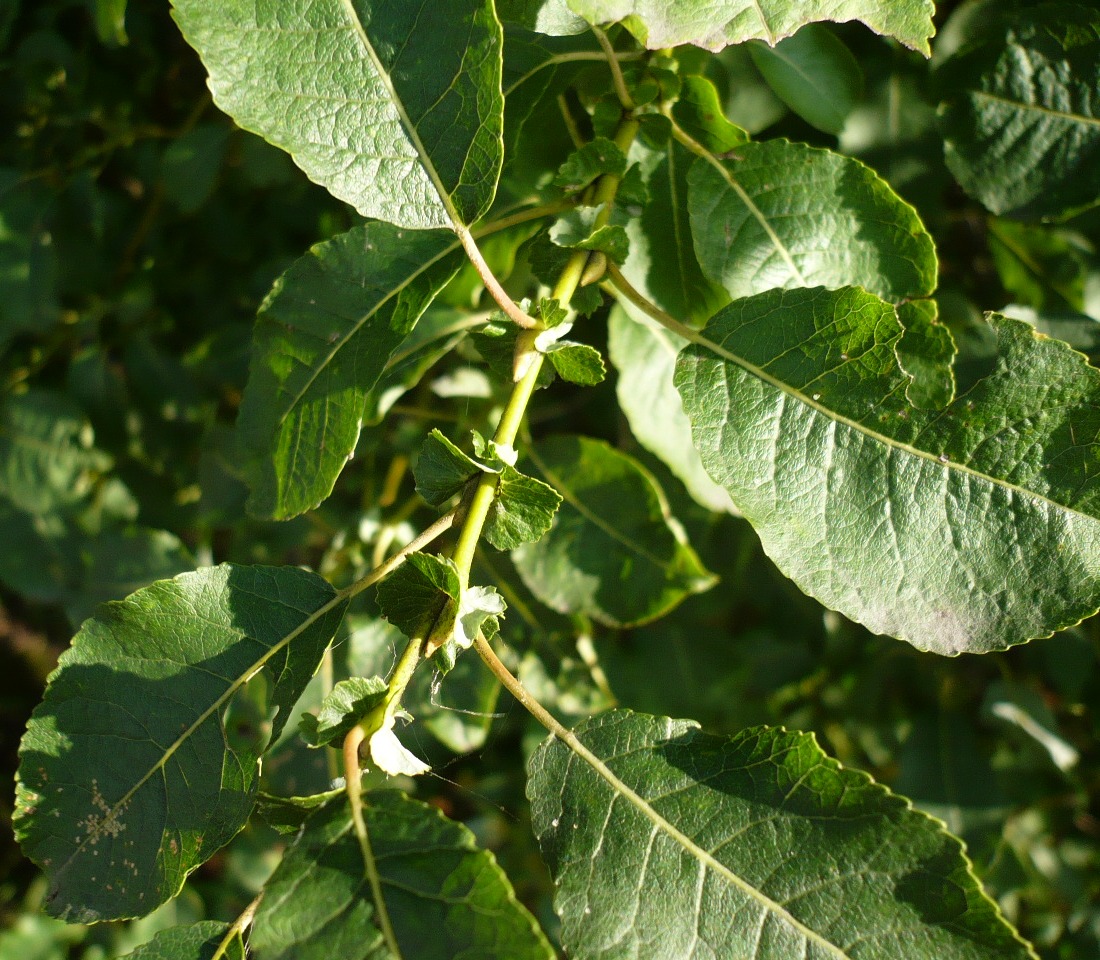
(133, 770)
(110, 21)
(645, 356)
(1038, 267)
(926, 352)
(386, 105)
(551, 17)
(668, 842)
(592, 160)
(28, 261)
(787, 215)
(442, 469)
(191, 165)
(445, 897)
(717, 23)
(963, 530)
(662, 262)
(576, 362)
(415, 588)
(522, 511)
(699, 111)
(199, 941)
(348, 702)
(814, 74)
(614, 552)
(578, 229)
(1020, 112)
(323, 339)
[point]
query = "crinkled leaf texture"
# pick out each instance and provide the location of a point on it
(445, 897)
(1021, 113)
(199, 941)
(614, 551)
(143, 758)
(322, 340)
(389, 106)
(968, 529)
(670, 844)
(718, 23)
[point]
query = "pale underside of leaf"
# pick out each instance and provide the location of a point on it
(963, 530)
(668, 843)
(715, 24)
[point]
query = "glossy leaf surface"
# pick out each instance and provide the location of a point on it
(143, 758)
(445, 897)
(612, 552)
(705, 23)
(323, 339)
(389, 107)
(1021, 113)
(787, 215)
(678, 845)
(963, 530)
(200, 941)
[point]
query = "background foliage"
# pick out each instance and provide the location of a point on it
(140, 229)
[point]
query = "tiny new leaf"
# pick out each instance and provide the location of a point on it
(668, 842)
(133, 770)
(349, 701)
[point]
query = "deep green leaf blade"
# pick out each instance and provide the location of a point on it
(787, 215)
(416, 588)
(710, 24)
(199, 941)
(323, 338)
(442, 469)
(613, 552)
(801, 67)
(347, 703)
(963, 530)
(445, 897)
(1021, 112)
(522, 510)
(143, 758)
(645, 356)
(577, 362)
(670, 844)
(389, 107)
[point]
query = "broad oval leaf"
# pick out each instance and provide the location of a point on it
(645, 356)
(323, 339)
(670, 844)
(445, 897)
(963, 530)
(1021, 113)
(783, 214)
(613, 552)
(142, 759)
(718, 23)
(389, 106)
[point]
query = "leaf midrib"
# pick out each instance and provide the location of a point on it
(863, 429)
(1038, 108)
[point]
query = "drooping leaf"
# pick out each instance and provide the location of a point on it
(348, 702)
(422, 583)
(710, 24)
(386, 105)
(788, 215)
(1038, 267)
(135, 751)
(963, 530)
(390, 755)
(110, 21)
(522, 510)
(645, 356)
(199, 941)
(613, 552)
(1021, 112)
(668, 842)
(801, 67)
(445, 897)
(662, 263)
(698, 110)
(323, 339)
